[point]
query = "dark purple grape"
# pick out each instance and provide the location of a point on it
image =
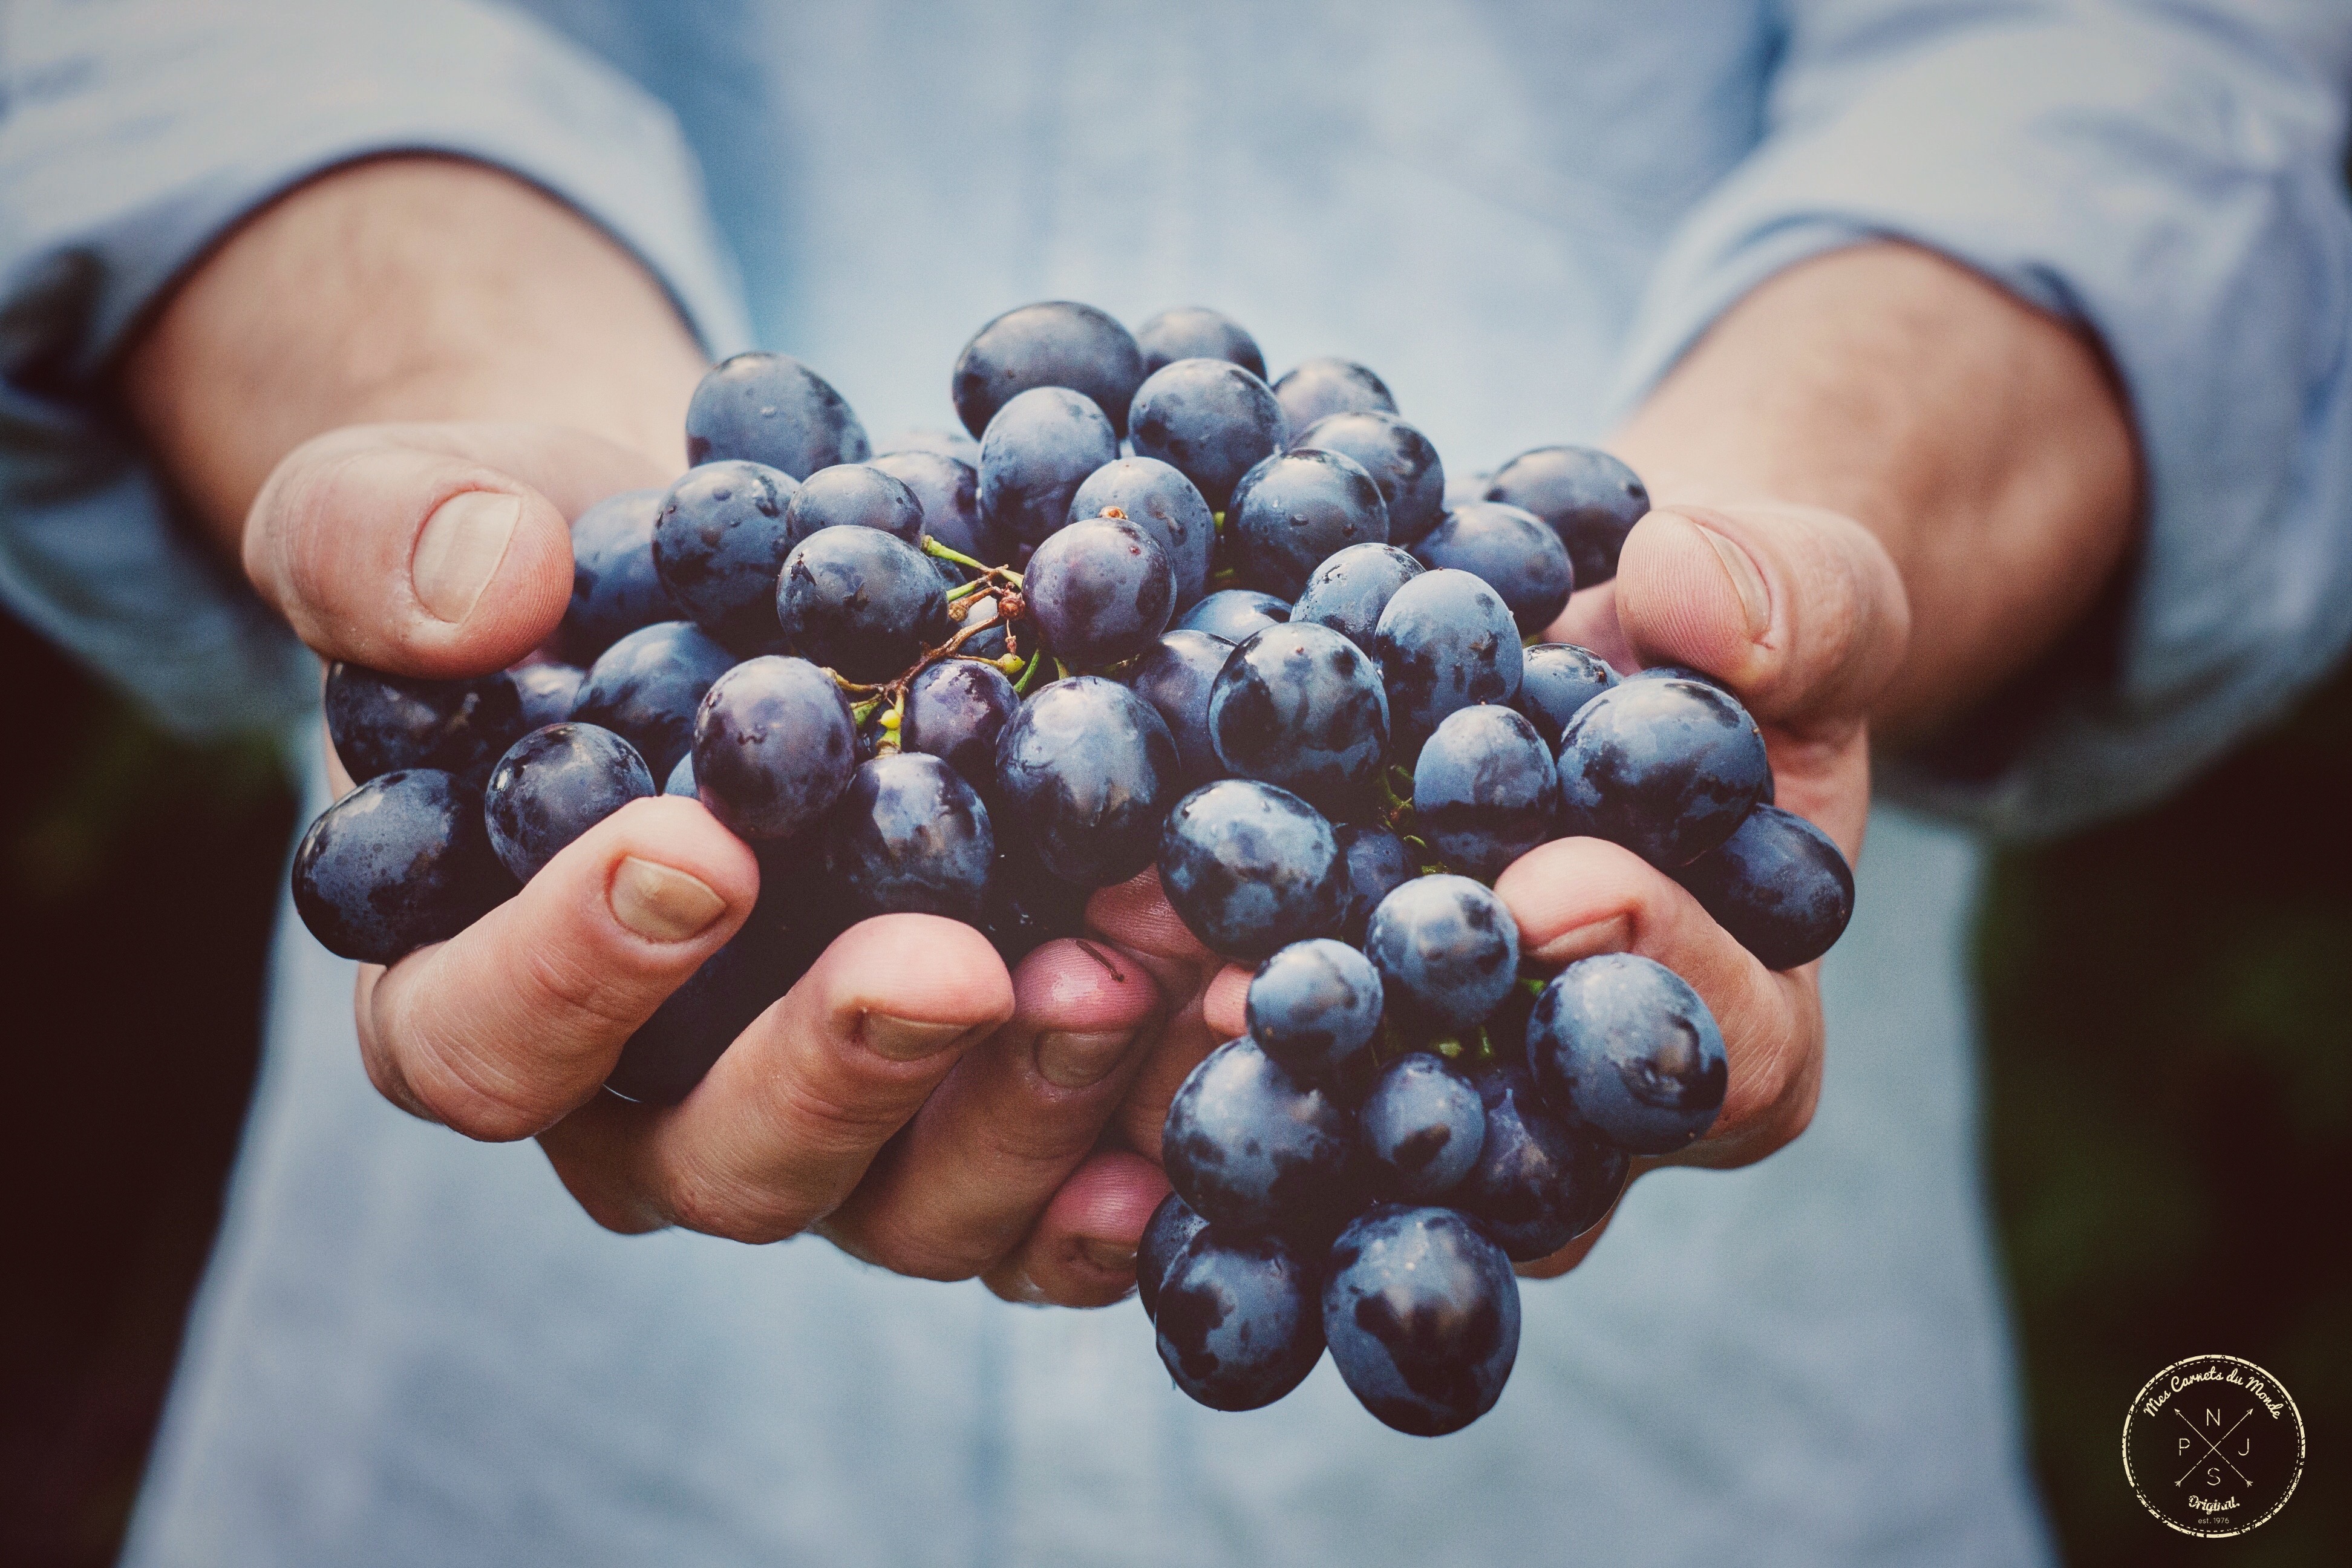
(860, 602)
(1509, 550)
(380, 723)
(1682, 672)
(1210, 419)
(1348, 590)
(672, 1050)
(1026, 905)
(1056, 344)
(1422, 1127)
(717, 545)
(1778, 885)
(1174, 674)
(646, 687)
(1315, 389)
(1445, 641)
(1085, 772)
(1294, 509)
(770, 408)
(957, 444)
(1195, 332)
(1667, 768)
(854, 495)
(615, 588)
(1484, 791)
(1622, 1044)
(1398, 457)
(401, 861)
(909, 836)
(547, 691)
(1164, 504)
(1462, 488)
(1251, 869)
(955, 710)
(1254, 1151)
(1378, 863)
(1100, 590)
(1685, 672)
(1036, 452)
(1234, 614)
(1172, 1227)
(1315, 1007)
(1591, 499)
(553, 785)
(774, 745)
(1422, 1316)
(1240, 1321)
(948, 489)
(1540, 1182)
(681, 779)
(1447, 950)
(1556, 680)
(1302, 707)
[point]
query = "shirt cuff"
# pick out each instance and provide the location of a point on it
(2185, 205)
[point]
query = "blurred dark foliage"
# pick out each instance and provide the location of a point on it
(2167, 1012)
(2168, 1006)
(137, 880)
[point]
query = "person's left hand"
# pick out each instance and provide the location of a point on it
(1801, 613)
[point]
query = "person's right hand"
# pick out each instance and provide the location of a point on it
(908, 1098)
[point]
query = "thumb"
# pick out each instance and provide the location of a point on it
(1799, 610)
(430, 550)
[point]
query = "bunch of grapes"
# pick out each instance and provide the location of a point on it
(1158, 613)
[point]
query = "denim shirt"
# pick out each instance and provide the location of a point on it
(410, 1348)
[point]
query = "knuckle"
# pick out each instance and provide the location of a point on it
(827, 1120)
(1045, 1146)
(700, 1199)
(891, 1243)
(487, 1114)
(569, 982)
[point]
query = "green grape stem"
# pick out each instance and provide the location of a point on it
(1001, 573)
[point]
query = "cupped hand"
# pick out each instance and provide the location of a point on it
(908, 1098)
(1802, 613)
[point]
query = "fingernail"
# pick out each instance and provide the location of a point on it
(460, 549)
(1108, 1255)
(1068, 1058)
(662, 904)
(909, 1039)
(1746, 580)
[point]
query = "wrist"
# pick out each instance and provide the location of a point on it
(1982, 441)
(408, 289)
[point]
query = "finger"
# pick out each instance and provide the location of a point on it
(1799, 610)
(1226, 1004)
(429, 550)
(1184, 1039)
(966, 1179)
(1577, 897)
(1135, 915)
(505, 1027)
(1590, 621)
(1082, 1252)
(791, 1116)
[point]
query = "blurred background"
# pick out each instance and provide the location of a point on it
(2169, 1096)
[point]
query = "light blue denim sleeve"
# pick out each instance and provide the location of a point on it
(133, 135)
(2171, 176)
